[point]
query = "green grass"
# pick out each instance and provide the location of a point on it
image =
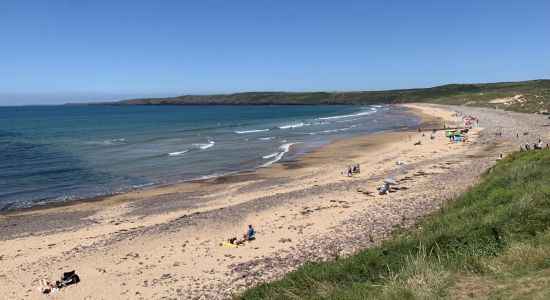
(492, 242)
(534, 96)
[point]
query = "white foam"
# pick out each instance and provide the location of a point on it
(270, 155)
(267, 138)
(292, 126)
(279, 155)
(350, 120)
(142, 185)
(334, 130)
(177, 153)
(352, 115)
(251, 131)
(106, 142)
(206, 146)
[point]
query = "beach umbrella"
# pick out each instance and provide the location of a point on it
(390, 181)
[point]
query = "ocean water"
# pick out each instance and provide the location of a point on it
(62, 153)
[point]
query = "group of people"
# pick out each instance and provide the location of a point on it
(247, 236)
(352, 170)
(539, 145)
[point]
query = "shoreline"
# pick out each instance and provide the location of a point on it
(166, 243)
(425, 121)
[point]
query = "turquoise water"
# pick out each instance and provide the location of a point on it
(62, 153)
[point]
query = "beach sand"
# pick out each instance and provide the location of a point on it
(165, 241)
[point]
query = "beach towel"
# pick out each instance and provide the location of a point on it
(228, 244)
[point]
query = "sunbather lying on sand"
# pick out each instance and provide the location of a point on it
(235, 241)
(45, 286)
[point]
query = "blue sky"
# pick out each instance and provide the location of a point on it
(86, 50)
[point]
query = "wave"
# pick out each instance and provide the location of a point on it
(206, 146)
(177, 153)
(106, 142)
(349, 120)
(372, 110)
(334, 130)
(270, 155)
(291, 126)
(279, 155)
(267, 138)
(251, 131)
(142, 185)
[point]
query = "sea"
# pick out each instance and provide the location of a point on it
(65, 153)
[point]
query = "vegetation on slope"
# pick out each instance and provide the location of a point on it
(492, 242)
(525, 96)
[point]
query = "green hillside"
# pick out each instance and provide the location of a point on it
(525, 96)
(493, 242)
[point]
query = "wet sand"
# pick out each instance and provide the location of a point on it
(164, 242)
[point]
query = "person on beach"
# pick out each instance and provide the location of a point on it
(46, 287)
(233, 240)
(249, 234)
(385, 189)
(539, 145)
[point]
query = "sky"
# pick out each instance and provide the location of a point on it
(57, 51)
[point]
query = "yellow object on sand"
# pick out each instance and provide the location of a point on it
(227, 243)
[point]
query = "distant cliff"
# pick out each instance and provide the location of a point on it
(525, 96)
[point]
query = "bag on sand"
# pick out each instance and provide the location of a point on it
(70, 278)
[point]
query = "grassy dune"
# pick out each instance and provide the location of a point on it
(491, 242)
(524, 96)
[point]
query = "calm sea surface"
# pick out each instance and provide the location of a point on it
(61, 153)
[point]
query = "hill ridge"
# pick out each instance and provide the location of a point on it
(525, 96)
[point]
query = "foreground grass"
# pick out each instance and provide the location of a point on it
(492, 242)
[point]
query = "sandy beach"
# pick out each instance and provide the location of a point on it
(165, 242)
